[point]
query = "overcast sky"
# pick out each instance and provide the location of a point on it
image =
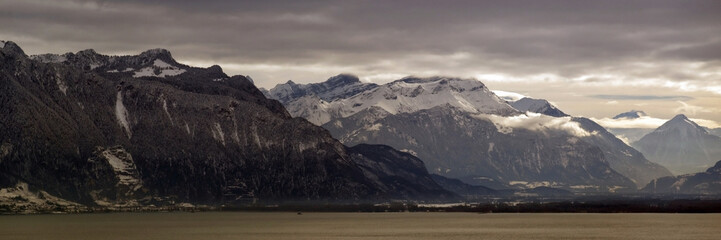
(591, 58)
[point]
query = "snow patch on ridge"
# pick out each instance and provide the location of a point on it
(61, 85)
(121, 113)
(218, 133)
(164, 69)
(167, 113)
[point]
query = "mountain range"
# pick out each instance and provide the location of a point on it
(91, 130)
(463, 130)
(140, 130)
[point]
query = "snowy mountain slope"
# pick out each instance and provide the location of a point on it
(406, 95)
(400, 115)
(681, 145)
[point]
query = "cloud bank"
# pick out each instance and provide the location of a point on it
(648, 122)
(536, 122)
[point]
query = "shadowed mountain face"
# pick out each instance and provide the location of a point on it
(681, 145)
(398, 172)
(706, 183)
(462, 130)
(621, 157)
(460, 145)
(129, 130)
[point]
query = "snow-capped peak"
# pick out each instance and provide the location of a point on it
(411, 94)
(682, 123)
(633, 114)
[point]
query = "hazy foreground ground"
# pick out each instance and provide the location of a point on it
(243, 225)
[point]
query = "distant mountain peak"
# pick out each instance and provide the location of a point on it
(680, 117)
(682, 145)
(633, 114)
(681, 121)
(541, 106)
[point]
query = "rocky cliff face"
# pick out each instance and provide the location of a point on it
(128, 130)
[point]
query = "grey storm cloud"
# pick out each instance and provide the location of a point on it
(569, 39)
